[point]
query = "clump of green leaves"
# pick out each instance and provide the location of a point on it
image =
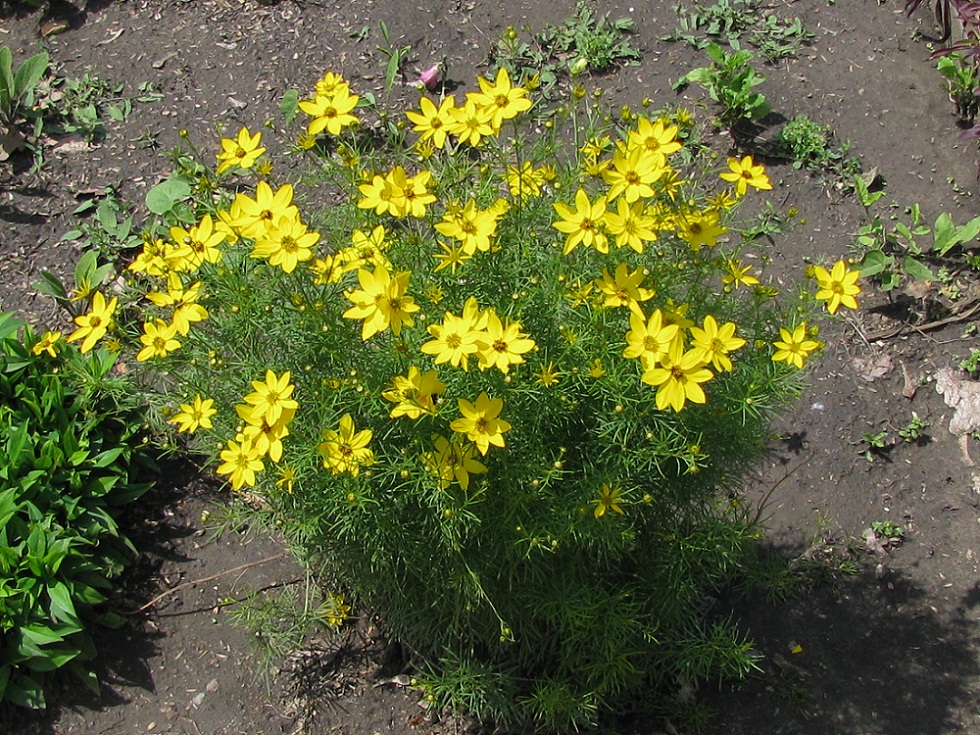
(962, 84)
(17, 92)
(971, 363)
(899, 252)
(888, 530)
(914, 430)
(730, 21)
(110, 233)
(874, 444)
(810, 145)
(67, 466)
(596, 40)
(730, 81)
(81, 105)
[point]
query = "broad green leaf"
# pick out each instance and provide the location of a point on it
(62, 606)
(917, 270)
(25, 691)
(875, 262)
(162, 197)
(29, 74)
(289, 105)
(7, 86)
(944, 235)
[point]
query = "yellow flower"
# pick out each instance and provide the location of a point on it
(196, 246)
(242, 151)
(410, 195)
(381, 302)
(184, 301)
(596, 369)
(794, 348)
(480, 422)
(287, 475)
(329, 84)
(678, 378)
(240, 462)
(624, 289)
(330, 112)
(455, 460)
(377, 195)
(255, 215)
(656, 137)
(454, 340)
(715, 343)
(632, 174)
(271, 397)
(451, 257)
(746, 173)
(266, 437)
(194, 416)
(630, 226)
(838, 288)
(471, 123)
(583, 225)
(471, 226)
(502, 100)
(523, 182)
(547, 376)
(285, 244)
(431, 122)
(93, 325)
(736, 275)
(649, 340)
(700, 228)
(415, 394)
(47, 344)
(346, 450)
(333, 610)
(607, 500)
(502, 345)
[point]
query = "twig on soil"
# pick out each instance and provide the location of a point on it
(185, 585)
(966, 312)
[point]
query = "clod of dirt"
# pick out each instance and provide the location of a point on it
(964, 397)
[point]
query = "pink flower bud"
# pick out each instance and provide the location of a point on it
(430, 77)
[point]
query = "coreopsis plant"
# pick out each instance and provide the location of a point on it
(495, 385)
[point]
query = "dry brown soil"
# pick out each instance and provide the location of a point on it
(891, 650)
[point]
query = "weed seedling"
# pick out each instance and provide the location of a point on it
(730, 81)
(888, 530)
(600, 42)
(874, 445)
(961, 83)
(914, 430)
(972, 363)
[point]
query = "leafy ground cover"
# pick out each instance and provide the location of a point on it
(883, 641)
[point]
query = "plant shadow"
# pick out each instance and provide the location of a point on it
(860, 654)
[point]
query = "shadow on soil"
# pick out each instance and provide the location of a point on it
(856, 655)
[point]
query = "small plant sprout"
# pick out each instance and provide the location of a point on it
(888, 530)
(731, 81)
(874, 445)
(914, 430)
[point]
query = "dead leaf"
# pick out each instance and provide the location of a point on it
(871, 369)
(964, 397)
(872, 545)
(910, 386)
(54, 26)
(10, 140)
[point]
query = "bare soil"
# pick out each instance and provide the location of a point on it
(889, 650)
